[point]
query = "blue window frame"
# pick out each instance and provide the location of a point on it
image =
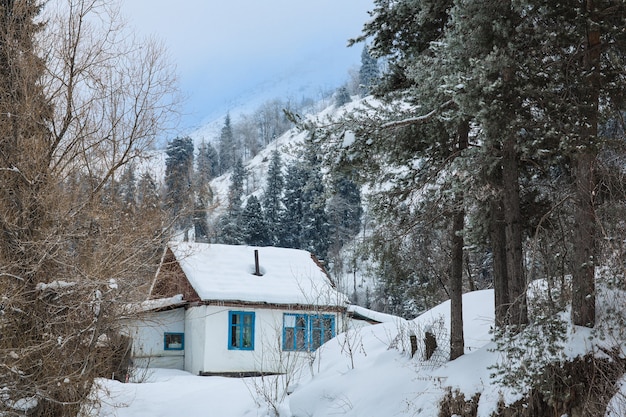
(302, 332)
(174, 341)
(241, 330)
(322, 329)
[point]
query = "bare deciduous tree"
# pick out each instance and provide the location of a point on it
(79, 99)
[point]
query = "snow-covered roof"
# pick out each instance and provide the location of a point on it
(359, 312)
(162, 303)
(226, 273)
(155, 305)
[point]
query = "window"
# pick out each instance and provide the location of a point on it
(174, 341)
(322, 330)
(295, 332)
(307, 332)
(241, 330)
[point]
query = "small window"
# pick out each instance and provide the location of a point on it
(174, 341)
(241, 330)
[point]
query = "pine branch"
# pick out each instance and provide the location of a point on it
(418, 119)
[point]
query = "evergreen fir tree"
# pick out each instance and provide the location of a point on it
(344, 211)
(226, 147)
(207, 162)
(200, 221)
(178, 180)
(315, 224)
(230, 223)
(147, 192)
(254, 228)
(369, 73)
(304, 222)
(342, 96)
(291, 217)
(206, 169)
(272, 203)
(127, 187)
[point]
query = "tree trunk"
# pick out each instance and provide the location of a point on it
(457, 343)
(497, 236)
(518, 314)
(583, 276)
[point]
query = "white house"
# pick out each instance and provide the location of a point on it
(222, 309)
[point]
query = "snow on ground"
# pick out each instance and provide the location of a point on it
(367, 371)
(165, 392)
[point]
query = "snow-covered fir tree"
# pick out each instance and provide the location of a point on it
(315, 224)
(230, 223)
(147, 192)
(272, 198)
(227, 147)
(344, 210)
(291, 217)
(342, 96)
(369, 72)
(254, 227)
(207, 162)
(127, 187)
(178, 180)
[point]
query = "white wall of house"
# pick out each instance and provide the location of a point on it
(148, 334)
(207, 346)
(195, 334)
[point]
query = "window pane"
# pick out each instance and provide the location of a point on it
(328, 334)
(329, 328)
(247, 337)
(300, 339)
(289, 343)
(235, 336)
(290, 320)
(173, 341)
(316, 338)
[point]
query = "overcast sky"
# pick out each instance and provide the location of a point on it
(224, 49)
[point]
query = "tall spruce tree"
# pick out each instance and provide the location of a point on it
(127, 187)
(494, 98)
(230, 223)
(178, 181)
(207, 162)
(581, 84)
(426, 136)
(315, 224)
(148, 193)
(344, 211)
(206, 169)
(272, 196)
(369, 73)
(296, 177)
(227, 147)
(254, 227)
(342, 96)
